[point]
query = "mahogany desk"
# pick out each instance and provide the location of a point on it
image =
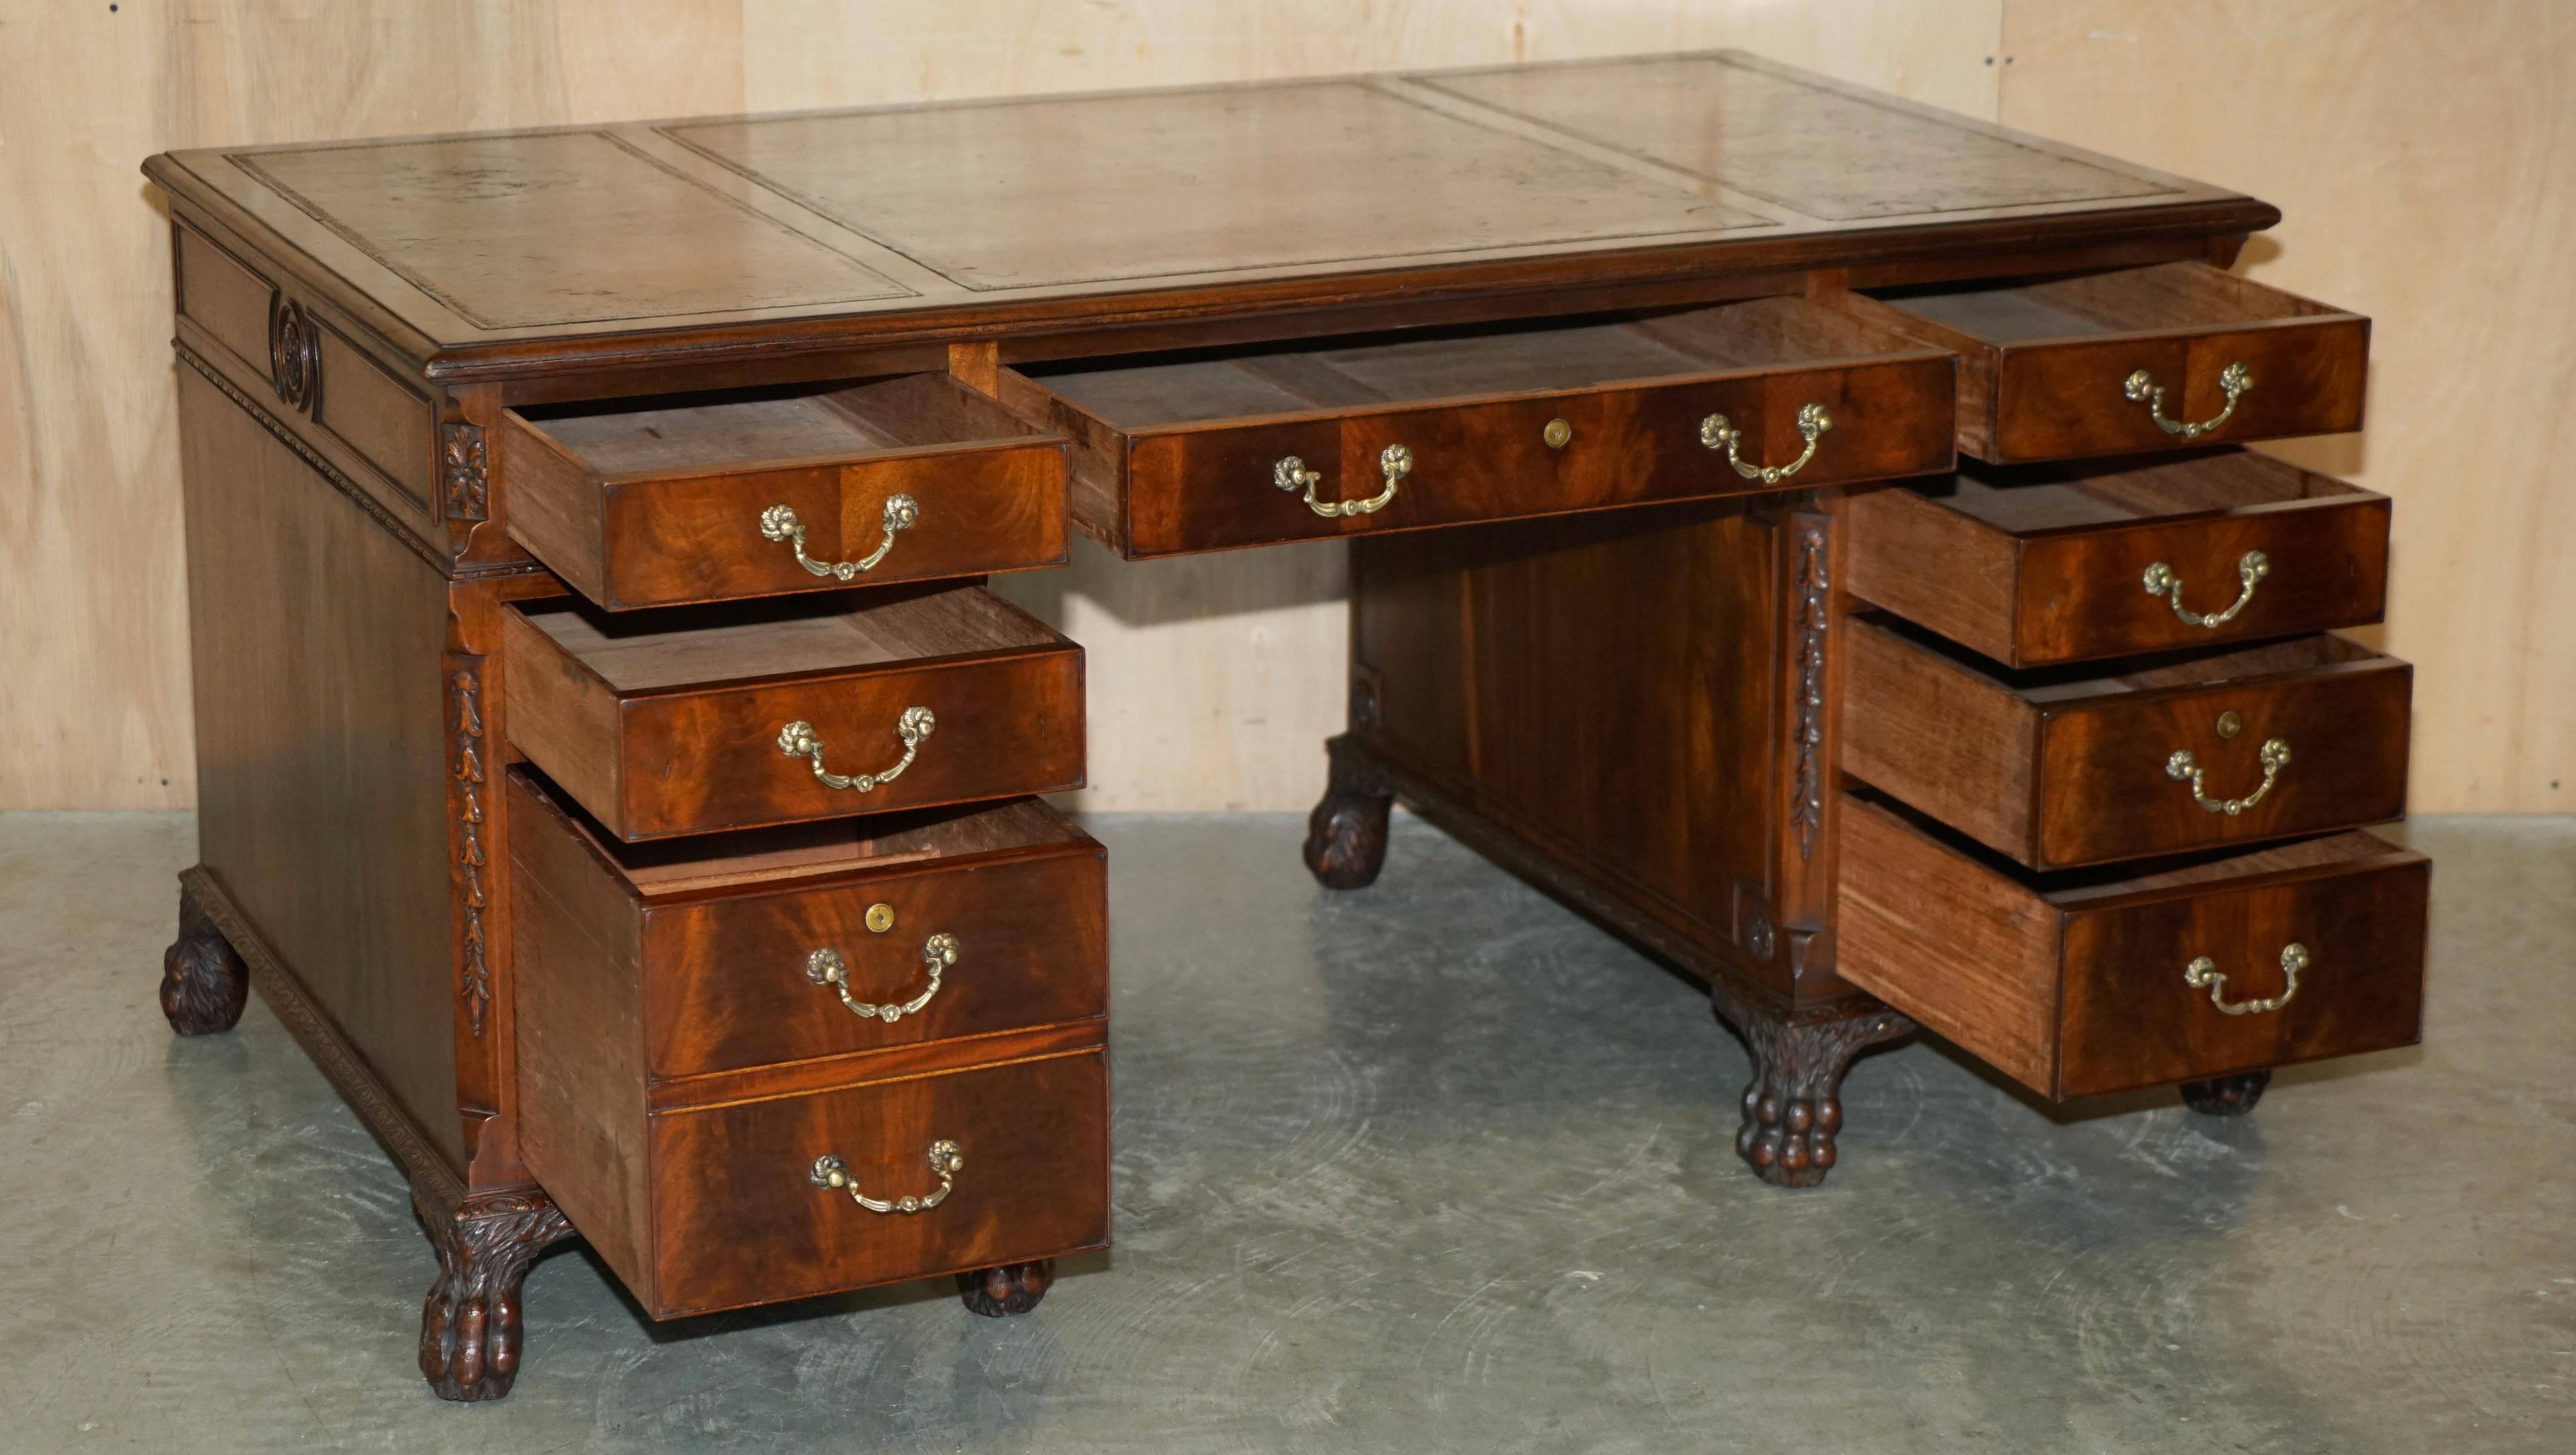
(615, 775)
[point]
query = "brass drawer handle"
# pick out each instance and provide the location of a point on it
(2251, 568)
(945, 1159)
(1718, 433)
(825, 967)
(2141, 388)
(2183, 768)
(779, 523)
(2203, 974)
(1290, 473)
(797, 740)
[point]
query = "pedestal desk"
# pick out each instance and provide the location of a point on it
(615, 775)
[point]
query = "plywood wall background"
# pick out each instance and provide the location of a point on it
(2420, 153)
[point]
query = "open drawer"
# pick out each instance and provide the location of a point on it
(676, 499)
(2048, 564)
(691, 719)
(2139, 359)
(2098, 981)
(1207, 450)
(2071, 766)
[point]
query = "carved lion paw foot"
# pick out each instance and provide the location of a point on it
(204, 984)
(1346, 834)
(1013, 1288)
(2226, 1096)
(1789, 1142)
(469, 1324)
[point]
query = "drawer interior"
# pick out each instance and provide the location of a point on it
(664, 867)
(690, 434)
(671, 649)
(1159, 391)
(2093, 305)
(2035, 499)
(2093, 681)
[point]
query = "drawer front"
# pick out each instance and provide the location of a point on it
(2063, 400)
(2074, 986)
(740, 1219)
(2179, 584)
(2141, 1009)
(2266, 759)
(921, 516)
(948, 951)
(2036, 567)
(2058, 770)
(1208, 487)
(717, 758)
(663, 502)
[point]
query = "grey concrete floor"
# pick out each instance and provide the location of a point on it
(1432, 1166)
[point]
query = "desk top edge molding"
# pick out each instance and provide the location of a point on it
(1690, 222)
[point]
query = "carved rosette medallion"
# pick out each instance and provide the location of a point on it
(1807, 809)
(294, 354)
(464, 476)
(465, 690)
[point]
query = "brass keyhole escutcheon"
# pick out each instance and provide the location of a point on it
(2230, 724)
(1556, 434)
(880, 918)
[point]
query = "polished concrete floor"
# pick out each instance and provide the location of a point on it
(1434, 1166)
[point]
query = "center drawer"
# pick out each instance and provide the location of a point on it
(692, 719)
(2071, 766)
(690, 1052)
(661, 501)
(1215, 449)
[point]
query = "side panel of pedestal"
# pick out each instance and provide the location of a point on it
(1614, 691)
(321, 747)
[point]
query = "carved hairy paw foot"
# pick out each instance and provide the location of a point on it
(204, 984)
(1346, 834)
(2226, 1096)
(469, 1325)
(1793, 1106)
(1013, 1288)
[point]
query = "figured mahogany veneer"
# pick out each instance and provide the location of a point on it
(2074, 985)
(714, 933)
(1181, 453)
(2042, 365)
(2068, 766)
(2047, 564)
(683, 1072)
(660, 502)
(668, 722)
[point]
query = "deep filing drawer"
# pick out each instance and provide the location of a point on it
(2089, 983)
(763, 492)
(2051, 564)
(696, 719)
(686, 1066)
(2071, 766)
(2140, 359)
(1219, 449)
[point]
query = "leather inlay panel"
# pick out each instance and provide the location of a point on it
(513, 231)
(1826, 153)
(956, 188)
